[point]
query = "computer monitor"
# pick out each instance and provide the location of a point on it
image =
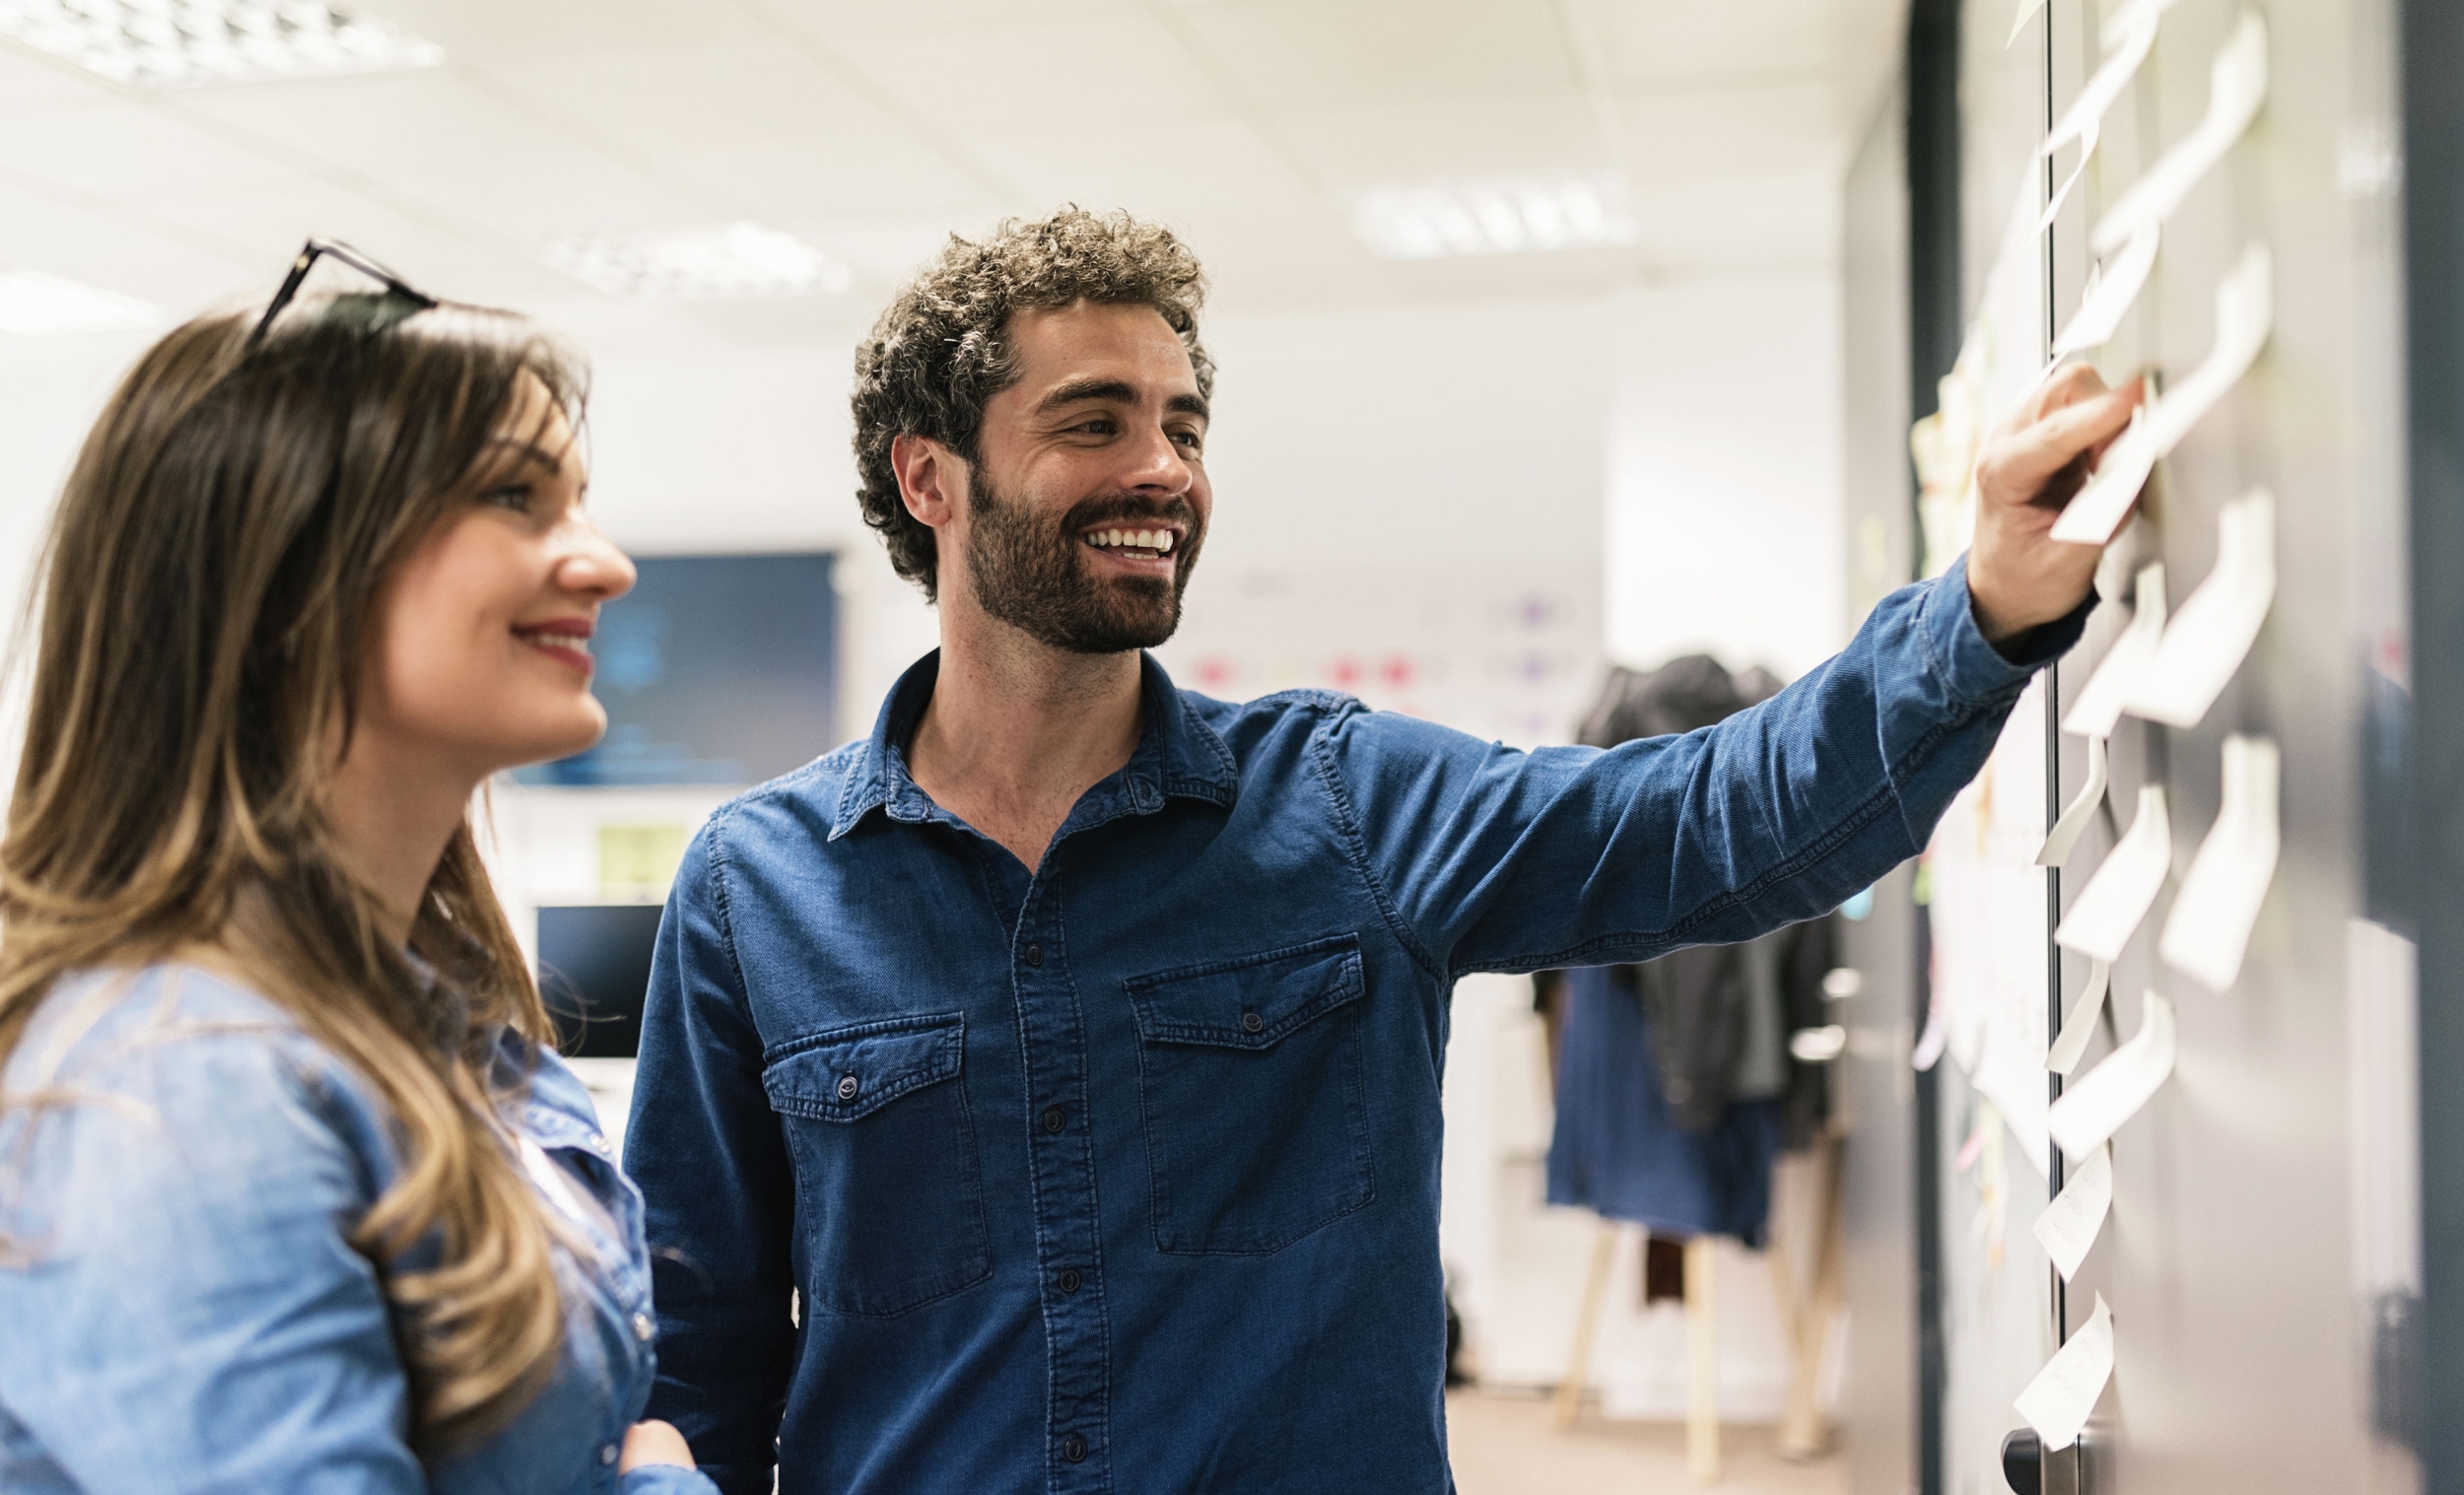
(714, 669)
(594, 969)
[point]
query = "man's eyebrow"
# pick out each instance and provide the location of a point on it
(1189, 404)
(1094, 387)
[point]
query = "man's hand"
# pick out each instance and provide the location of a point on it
(654, 1442)
(2032, 465)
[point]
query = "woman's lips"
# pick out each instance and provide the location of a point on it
(564, 644)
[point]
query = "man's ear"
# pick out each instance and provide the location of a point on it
(931, 479)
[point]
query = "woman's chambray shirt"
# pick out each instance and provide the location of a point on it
(182, 1311)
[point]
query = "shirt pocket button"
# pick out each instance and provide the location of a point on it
(848, 1086)
(1251, 1022)
(642, 1328)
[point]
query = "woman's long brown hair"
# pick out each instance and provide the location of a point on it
(206, 607)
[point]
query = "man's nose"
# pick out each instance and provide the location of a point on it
(1159, 462)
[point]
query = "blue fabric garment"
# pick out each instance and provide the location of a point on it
(1616, 1149)
(1124, 1176)
(192, 1317)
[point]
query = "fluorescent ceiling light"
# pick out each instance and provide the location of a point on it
(1500, 216)
(189, 44)
(740, 259)
(36, 305)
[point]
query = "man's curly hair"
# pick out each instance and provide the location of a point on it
(937, 355)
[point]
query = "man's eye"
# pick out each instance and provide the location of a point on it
(1190, 439)
(513, 495)
(1100, 426)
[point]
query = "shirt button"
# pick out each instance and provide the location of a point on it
(848, 1086)
(1035, 955)
(1055, 1119)
(643, 1328)
(1069, 1280)
(600, 1144)
(608, 1454)
(1074, 1449)
(1251, 1022)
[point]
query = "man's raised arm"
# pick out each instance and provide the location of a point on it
(1492, 859)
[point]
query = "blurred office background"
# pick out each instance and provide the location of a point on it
(1533, 320)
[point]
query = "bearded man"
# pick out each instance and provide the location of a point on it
(1042, 1094)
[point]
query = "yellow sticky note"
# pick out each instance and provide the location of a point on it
(639, 859)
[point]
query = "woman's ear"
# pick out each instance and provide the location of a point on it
(931, 479)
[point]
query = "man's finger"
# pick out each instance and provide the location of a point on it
(2065, 387)
(2031, 456)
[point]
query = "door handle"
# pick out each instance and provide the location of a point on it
(2028, 1469)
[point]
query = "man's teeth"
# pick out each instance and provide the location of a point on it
(1156, 540)
(580, 644)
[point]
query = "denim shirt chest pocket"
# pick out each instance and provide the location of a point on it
(1255, 1098)
(889, 1195)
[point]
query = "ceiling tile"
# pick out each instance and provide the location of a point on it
(1320, 54)
(1116, 76)
(31, 83)
(1173, 170)
(1360, 147)
(124, 149)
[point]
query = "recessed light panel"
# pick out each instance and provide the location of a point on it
(738, 259)
(192, 43)
(36, 305)
(1509, 215)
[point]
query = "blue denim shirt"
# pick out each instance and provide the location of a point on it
(189, 1314)
(1123, 1175)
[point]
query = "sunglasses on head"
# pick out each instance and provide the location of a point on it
(398, 301)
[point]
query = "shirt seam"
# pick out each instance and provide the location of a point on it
(1864, 813)
(1356, 847)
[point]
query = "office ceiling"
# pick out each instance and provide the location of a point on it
(871, 129)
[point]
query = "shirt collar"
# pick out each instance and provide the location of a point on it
(1177, 755)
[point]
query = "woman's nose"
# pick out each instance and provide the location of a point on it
(596, 568)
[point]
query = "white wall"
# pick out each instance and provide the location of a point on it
(1723, 513)
(1407, 507)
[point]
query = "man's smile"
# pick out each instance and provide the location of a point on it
(1143, 545)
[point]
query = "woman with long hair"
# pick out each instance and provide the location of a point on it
(294, 1192)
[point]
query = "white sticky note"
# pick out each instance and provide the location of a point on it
(2125, 884)
(2098, 708)
(2079, 1023)
(2245, 313)
(2094, 1108)
(2237, 87)
(2206, 641)
(2209, 929)
(2081, 122)
(1936, 1037)
(2113, 287)
(2060, 1400)
(2070, 1224)
(2078, 812)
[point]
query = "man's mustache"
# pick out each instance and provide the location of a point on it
(1092, 511)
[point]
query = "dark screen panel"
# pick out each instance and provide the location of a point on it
(594, 967)
(714, 669)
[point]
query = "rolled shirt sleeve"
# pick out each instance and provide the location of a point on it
(1490, 858)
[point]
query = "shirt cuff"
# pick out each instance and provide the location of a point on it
(1974, 669)
(664, 1479)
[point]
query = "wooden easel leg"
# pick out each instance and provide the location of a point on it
(1802, 1433)
(1586, 1325)
(1702, 1341)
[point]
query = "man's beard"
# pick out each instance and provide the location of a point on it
(1032, 578)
